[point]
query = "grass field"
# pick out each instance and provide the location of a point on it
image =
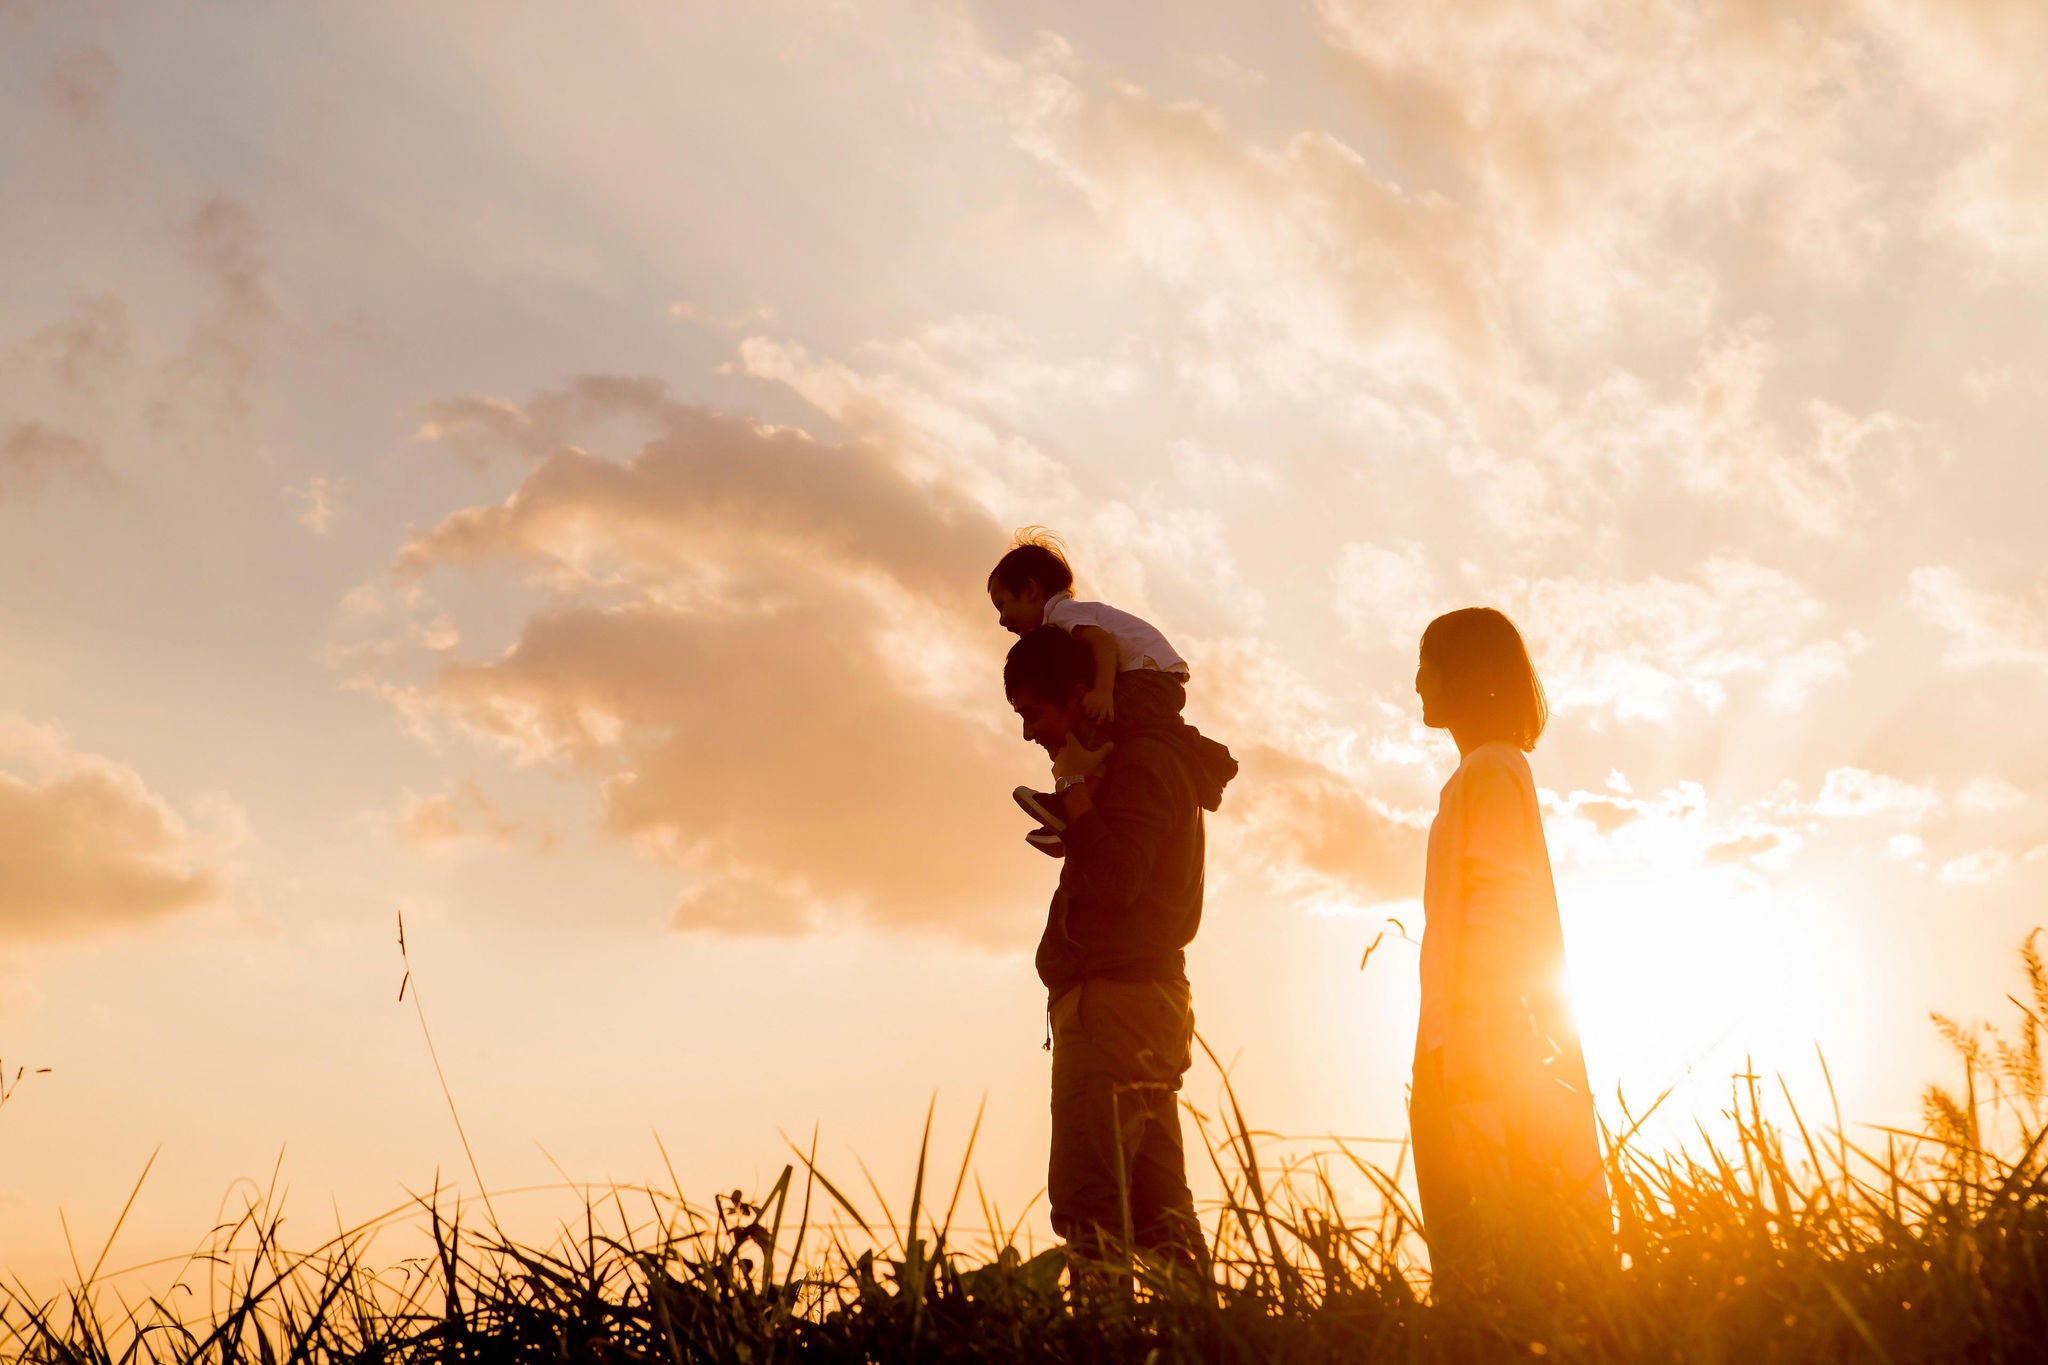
(1786, 1241)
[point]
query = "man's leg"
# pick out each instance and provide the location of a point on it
(1119, 1052)
(1081, 1175)
(1162, 1207)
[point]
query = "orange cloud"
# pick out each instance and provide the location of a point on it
(86, 845)
(82, 353)
(463, 814)
(32, 454)
(774, 656)
(1316, 835)
(709, 491)
(220, 368)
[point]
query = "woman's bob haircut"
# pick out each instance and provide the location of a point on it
(1489, 685)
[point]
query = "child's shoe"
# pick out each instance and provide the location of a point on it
(1046, 842)
(1048, 808)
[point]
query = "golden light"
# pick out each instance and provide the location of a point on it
(1681, 979)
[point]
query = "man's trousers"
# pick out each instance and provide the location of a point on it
(1119, 1050)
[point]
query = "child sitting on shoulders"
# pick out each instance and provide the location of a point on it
(1140, 679)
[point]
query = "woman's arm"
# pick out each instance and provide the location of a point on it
(1495, 888)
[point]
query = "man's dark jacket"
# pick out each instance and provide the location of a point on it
(1130, 892)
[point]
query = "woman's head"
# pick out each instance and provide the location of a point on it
(1475, 679)
(1034, 569)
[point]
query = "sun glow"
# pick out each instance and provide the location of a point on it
(1681, 980)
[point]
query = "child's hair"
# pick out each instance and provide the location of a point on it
(1036, 556)
(1487, 675)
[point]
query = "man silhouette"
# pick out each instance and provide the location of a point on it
(1129, 900)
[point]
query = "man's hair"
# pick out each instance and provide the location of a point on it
(1488, 680)
(1050, 662)
(1036, 556)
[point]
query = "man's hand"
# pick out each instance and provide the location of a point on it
(1100, 704)
(1073, 760)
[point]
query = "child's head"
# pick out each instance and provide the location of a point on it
(1034, 569)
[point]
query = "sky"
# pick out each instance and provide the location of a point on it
(532, 470)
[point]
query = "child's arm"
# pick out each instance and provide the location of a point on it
(1100, 703)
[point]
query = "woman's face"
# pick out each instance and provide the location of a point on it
(1429, 685)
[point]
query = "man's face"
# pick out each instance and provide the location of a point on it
(1046, 724)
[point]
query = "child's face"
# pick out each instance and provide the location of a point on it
(1018, 611)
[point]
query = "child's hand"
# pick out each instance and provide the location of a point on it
(1100, 704)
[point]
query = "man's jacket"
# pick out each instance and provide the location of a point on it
(1130, 893)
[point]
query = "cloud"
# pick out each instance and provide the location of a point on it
(712, 498)
(1385, 596)
(219, 370)
(1855, 793)
(685, 311)
(1705, 438)
(85, 352)
(1727, 450)
(1317, 837)
(1642, 649)
(1675, 831)
(1298, 264)
(771, 656)
(81, 82)
(1990, 793)
(935, 436)
(86, 846)
(1539, 197)
(989, 363)
(463, 815)
(1587, 125)
(319, 503)
(480, 430)
(33, 454)
(1974, 869)
(1983, 627)
(1221, 474)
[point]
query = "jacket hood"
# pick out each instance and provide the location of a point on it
(1208, 764)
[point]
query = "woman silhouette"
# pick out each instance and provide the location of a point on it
(1507, 1162)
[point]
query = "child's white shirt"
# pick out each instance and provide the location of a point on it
(1138, 642)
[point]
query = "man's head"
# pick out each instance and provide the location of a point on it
(1046, 675)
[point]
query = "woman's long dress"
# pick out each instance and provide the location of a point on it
(1506, 1148)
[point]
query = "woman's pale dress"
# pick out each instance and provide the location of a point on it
(1501, 1113)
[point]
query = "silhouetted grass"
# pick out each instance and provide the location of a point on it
(1782, 1241)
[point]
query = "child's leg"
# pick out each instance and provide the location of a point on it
(1047, 807)
(1146, 696)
